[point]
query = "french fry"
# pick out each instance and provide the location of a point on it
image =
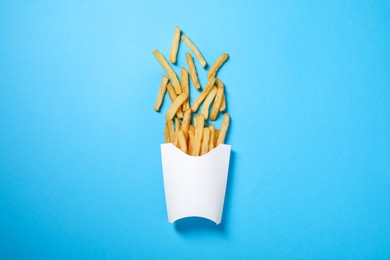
(193, 73)
(182, 141)
(168, 69)
(223, 104)
(223, 130)
(194, 49)
(205, 141)
(217, 101)
(199, 125)
(217, 65)
(175, 45)
(186, 122)
(216, 137)
(184, 87)
(203, 94)
(172, 96)
(192, 128)
(191, 139)
(212, 137)
(161, 93)
(171, 131)
(176, 105)
(177, 125)
(166, 133)
(207, 102)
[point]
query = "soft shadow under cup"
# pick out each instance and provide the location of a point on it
(195, 185)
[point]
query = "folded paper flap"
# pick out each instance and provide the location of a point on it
(195, 185)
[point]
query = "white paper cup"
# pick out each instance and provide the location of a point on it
(195, 185)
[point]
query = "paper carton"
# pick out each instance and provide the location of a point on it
(195, 185)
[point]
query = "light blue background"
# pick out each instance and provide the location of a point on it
(308, 90)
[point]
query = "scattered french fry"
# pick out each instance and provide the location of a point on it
(176, 105)
(202, 95)
(175, 45)
(168, 69)
(186, 122)
(172, 96)
(223, 103)
(191, 139)
(182, 141)
(171, 131)
(184, 86)
(217, 65)
(224, 128)
(193, 73)
(161, 93)
(207, 102)
(212, 137)
(199, 125)
(194, 49)
(205, 141)
(217, 101)
(216, 137)
(166, 133)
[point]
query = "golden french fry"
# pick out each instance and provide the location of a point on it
(223, 103)
(172, 96)
(212, 137)
(207, 102)
(224, 127)
(192, 128)
(193, 73)
(168, 69)
(194, 49)
(217, 65)
(191, 139)
(205, 141)
(217, 101)
(199, 125)
(177, 125)
(216, 137)
(175, 45)
(166, 133)
(161, 93)
(176, 105)
(203, 94)
(186, 122)
(171, 131)
(182, 141)
(184, 87)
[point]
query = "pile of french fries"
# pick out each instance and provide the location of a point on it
(192, 138)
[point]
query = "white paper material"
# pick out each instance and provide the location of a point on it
(195, 185)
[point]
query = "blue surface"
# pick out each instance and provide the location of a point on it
(308, 90)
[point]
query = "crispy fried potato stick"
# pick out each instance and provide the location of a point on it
(184, 86)
(171, 131)
(216, 137)
(217, 101)
(186, 122)
(217, 65)
(207, 102)
(161, 93)
(203, 95)
(168, 69)
(199, 125)
(176, 105)
(172, 96)
(182, 141)
(205, 141)
(194, 49)
(212, 137)
(224, 128)
(191, 139)
(166, 133)
(177, 125)
(193, 73)
(223, 103)
(175, 45)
